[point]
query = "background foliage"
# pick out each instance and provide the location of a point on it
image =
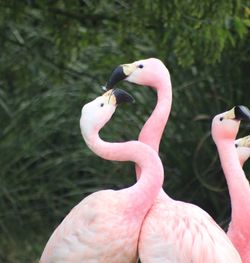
(55, 55)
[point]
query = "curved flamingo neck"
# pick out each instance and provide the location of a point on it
(153, 129)
(238, 185)
(143, 193)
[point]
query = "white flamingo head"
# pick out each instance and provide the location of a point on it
(226, 125)
(98, 112)
(243, 148)
(146, 72)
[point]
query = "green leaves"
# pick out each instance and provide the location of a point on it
(56, 55)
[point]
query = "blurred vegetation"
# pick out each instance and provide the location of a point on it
(55, 56)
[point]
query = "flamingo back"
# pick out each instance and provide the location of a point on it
(96, 230)
(180, 232)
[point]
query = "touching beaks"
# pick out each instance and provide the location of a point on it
(238, 112)
(243, 142)
(120, 73)
(118, 96)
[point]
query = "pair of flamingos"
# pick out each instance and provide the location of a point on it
(113, 226)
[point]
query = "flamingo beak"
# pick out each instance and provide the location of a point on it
(243, 142)
(119, 73)
(238, 112)
(116, 76)
(118, 96)
(242, 113)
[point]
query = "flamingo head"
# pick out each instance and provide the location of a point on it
(148, 72)
(226, 125)
(98, 112)
(243, 148)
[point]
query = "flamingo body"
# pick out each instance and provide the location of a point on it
(105, 226)
(179, 232)
(84, 231)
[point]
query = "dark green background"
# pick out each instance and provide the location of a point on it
(55, 56)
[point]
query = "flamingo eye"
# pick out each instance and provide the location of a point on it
(236, 145)
(221, 118)
(140, 66)
(102, 104)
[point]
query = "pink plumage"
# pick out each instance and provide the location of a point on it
(243, 149)
(232, 160)
(104, 227)
(173, 231)
(179, 232)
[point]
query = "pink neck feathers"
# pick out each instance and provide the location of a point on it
(238, 185)
(152, 130)
(147, 188)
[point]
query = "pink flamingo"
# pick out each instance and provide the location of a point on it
(238, 185)
(105, 226)
(243, 149)
(173, 231)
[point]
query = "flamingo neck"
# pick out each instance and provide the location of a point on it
(143, 193)
(238, 185)
(152, 130)
(163, 196)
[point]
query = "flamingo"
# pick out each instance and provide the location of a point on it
(105, 226)
(173, 231)
(243, 148)
(238, 185)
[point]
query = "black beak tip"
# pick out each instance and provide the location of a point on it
(116, 76)
(123, 97)
(242, 113)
